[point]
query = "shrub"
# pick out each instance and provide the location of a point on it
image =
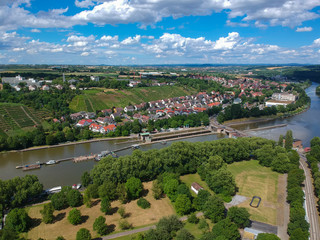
(83, 234)
(143, 203)
(105, 206)
(122, 212)
(60, 238)
(47, 213)
(74, 216)
(193, 218)
(124, 224)
(100, 226)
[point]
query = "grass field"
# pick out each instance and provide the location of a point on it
(98, 99)
(137, 217)
(256, 180)
(17, 117)
(191, 178)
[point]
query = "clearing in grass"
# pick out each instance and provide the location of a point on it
(252, 179)
(136, 216)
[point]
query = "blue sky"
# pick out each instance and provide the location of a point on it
(121, 32)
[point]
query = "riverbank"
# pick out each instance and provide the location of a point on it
(242, 121)
(133, 138)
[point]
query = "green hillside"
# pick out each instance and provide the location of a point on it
(98, 99)
(17, 117)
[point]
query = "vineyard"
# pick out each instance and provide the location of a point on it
(16, 116)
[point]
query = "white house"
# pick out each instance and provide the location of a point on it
(196, 187)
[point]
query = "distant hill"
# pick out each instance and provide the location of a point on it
(98, 99)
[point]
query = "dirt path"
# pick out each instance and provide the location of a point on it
(28, 115)
(283, 208)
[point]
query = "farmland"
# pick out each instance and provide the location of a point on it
(98, 99)
(14, 117)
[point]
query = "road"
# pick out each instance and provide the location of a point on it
(311, 208)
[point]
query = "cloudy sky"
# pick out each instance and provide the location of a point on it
(159, 31)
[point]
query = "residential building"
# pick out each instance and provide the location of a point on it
(196, 187)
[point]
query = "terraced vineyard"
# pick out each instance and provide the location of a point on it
(17, 116)
(98, 99)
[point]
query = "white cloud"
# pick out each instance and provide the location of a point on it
(84, 54)
(304, 29)
(84, 3)
(35, 30)
(131, 40)
(225, 43)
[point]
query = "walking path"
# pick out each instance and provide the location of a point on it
(139, 230)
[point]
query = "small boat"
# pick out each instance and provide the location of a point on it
(135, 146)
(54, 190)
(76, 186)
(163, 142)
(51, 162)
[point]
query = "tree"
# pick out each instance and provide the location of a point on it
(92, 190)
(214, 209)
(201, 199)
(183, 234)
(280, 141)
(107, 190)
(240, 216)
(60, 238)
(122, 193)
(298, 234)
(183, 189)
(143, 203)
(74, 216)
(289, 140)
(105, 205)
(315, 142)
(267, 236)
(182, 204)
(124, 224)
(122, 212)
(18, 220)
(86, 179)
(156, 189)
(87, 199)
(281, 163)
(134, 187)
(227, 229)
(8, 234)
(170, 188)
(83, 234)
(74, 198)
(222, 181)
(100, 226)
(59, 201)
(47, 213)
(169, 224)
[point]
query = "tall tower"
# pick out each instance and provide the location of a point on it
(63, 77)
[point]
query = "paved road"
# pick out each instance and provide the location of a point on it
(311, 209)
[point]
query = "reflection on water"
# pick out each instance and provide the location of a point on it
(305, 126)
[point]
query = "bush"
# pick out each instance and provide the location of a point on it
(183, 204)
(74, 216)
(83, 234)
(124, 224)
(60, 238)
(193, 218)
(203, 224)
(143, 203)
(100, 226)
(122, 212)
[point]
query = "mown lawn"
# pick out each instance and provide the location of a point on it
(191, 178)
(105, 98)
(253, 179)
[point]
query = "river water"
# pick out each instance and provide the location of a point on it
(304, 126)
(68, 173)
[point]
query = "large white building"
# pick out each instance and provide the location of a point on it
(284, 97)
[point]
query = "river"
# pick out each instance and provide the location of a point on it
(68, 173)
(304, 126)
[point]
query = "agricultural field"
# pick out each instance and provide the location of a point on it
(256, 180)
(98, 99)
(17, 117)
(136, 216)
